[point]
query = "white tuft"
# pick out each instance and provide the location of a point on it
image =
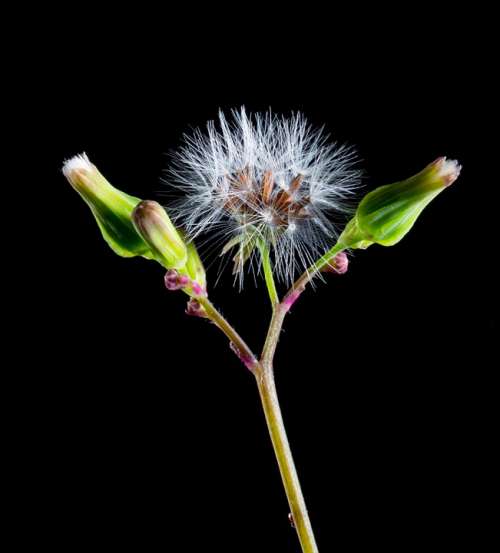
(449, 170)
(222, 174)
(78, 162)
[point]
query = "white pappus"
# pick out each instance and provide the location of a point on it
(264, 181)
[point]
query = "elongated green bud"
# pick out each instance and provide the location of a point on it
(385, 215)
(112, 208)
(154, 225)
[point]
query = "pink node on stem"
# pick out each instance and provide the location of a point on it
(197, 288)
(247, 359)
(291, 298)
(195, 309)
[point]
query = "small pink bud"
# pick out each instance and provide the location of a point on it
(195, 309)
(339, 264)
(197, 289)
(173, 280)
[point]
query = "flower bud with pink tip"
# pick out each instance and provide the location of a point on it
(338, 265)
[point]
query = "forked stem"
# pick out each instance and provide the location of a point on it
(239, 345)
(264, 374)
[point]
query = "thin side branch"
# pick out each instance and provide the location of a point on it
(238, 345)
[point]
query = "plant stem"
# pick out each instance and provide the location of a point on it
(273, 335)
(280, 311)
(269, 399)
(268, 275)
(263, 372)
(214, 315)
(314, 269)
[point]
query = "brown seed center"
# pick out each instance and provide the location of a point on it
(284, 205)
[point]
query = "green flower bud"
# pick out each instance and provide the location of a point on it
(154, 225)
(112, 208)
(385, 215)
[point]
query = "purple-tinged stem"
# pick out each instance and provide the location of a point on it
(263, 372)
(238, 344)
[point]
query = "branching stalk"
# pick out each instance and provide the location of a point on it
(240, 345)
(314, 269)
(263, 372)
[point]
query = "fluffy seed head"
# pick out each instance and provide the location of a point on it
(264, 180)
(79, 162)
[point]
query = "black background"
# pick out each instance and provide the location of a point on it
(141, 427)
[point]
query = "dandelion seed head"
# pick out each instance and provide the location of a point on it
(264, 179)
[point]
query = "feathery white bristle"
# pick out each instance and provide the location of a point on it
(449, 169)
(80, 161)
(223, 175)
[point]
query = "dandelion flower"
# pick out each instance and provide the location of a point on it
(264, 181)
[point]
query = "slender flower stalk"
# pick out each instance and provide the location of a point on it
(276, 427)
(263, 372)
(269, 188)
(268, 274)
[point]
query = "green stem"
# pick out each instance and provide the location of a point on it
(273, 335)
(269, 399)
(265, 382)
(316, 267)
(263, 372)
(281, 310)
(214, 315)
(268, 274)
